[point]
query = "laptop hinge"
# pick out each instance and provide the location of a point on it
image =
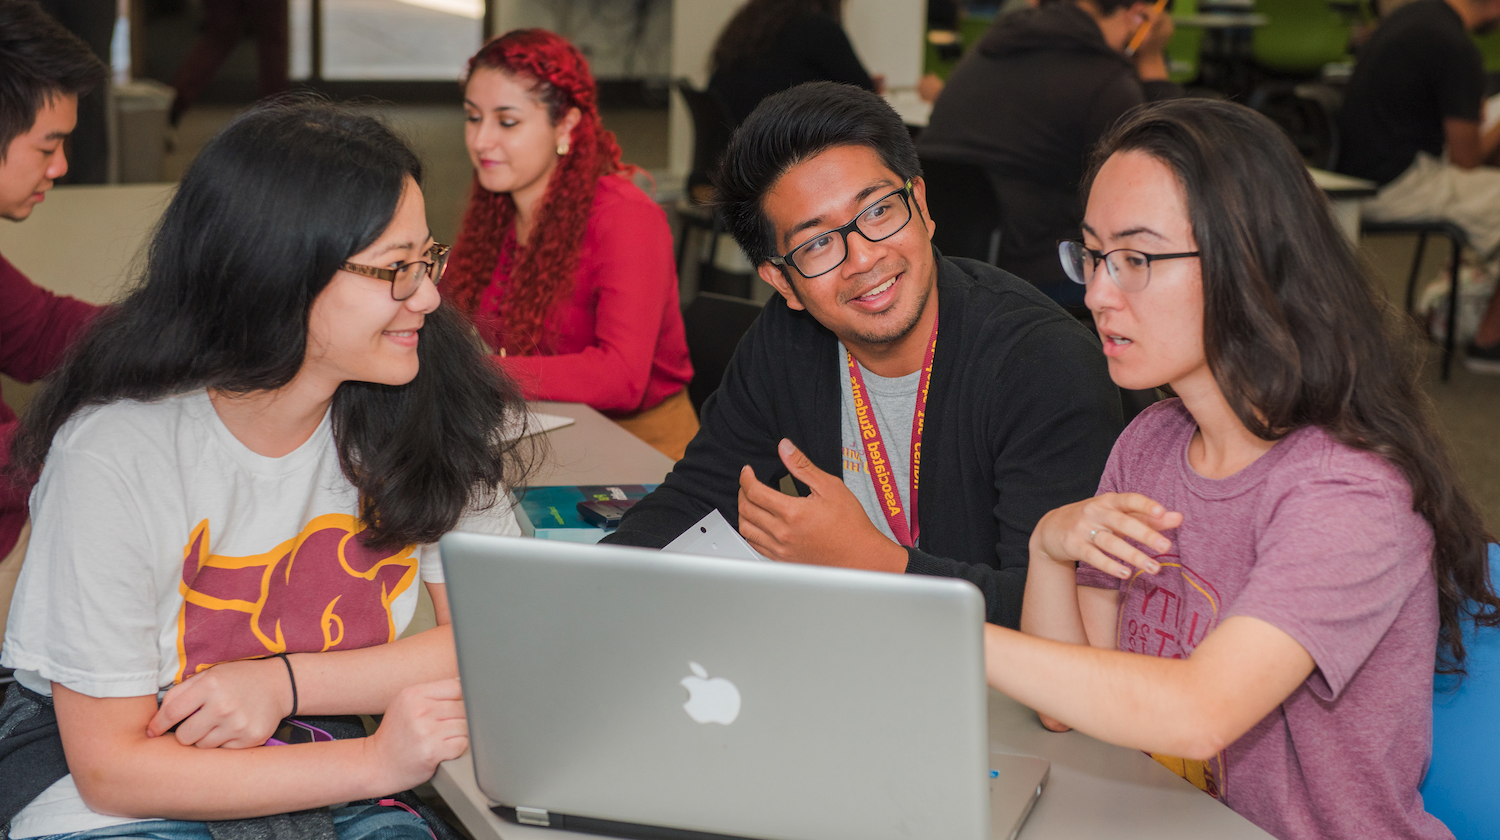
(533, 816)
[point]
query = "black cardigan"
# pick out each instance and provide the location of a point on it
(1020, 420)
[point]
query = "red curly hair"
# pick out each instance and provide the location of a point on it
(542, 269)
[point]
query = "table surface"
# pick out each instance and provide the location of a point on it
(1222, 20)
(1096, 789)
(1339, 185)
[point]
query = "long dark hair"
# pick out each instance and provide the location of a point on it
(756, 24)
(1296, 334)
(261, 222)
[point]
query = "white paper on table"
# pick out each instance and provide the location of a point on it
(538, 423)
(1491, 113)
(711, 536)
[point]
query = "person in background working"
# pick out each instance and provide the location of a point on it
(771, 45)
(44, 68)
(244, 466)
(565, 265)
(1278, 558)
(822, 189)
(225, 23)
(1412, 122)
(1028, 103)
(93, 21)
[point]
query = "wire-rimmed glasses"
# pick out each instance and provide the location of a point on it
(407, 277)
(823, 253)
(1129, 268)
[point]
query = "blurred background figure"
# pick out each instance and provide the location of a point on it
(225, 23)
(93, 21)
(566, 265)
(1028, 103)
(771, 45)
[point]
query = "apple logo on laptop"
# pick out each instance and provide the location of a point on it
(710, 700)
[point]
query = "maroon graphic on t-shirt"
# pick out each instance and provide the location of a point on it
(323, 589)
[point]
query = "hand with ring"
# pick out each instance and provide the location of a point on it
(1095, 531)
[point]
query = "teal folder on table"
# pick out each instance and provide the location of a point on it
(551, 513)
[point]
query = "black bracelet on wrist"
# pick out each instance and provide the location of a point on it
(293, 679)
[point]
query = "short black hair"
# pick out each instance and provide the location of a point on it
(790, 127)
(39, 59)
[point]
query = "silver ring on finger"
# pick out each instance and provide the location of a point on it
(1095, 532)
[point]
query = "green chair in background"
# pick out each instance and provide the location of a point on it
(1301, 37)
(1186, 46)
(1489, 47)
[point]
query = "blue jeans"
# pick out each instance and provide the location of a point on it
(352, 822)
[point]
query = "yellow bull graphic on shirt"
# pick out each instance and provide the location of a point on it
(320, 590)
(1168, 615)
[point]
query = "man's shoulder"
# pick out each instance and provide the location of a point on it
(1411, 32)
(992, 296)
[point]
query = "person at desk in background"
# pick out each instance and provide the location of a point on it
(1258, 593)
(564, 264)
(1029, 102)
(243, 468)
(771, 45)
(1003, 413)
(44, 68)
(1418, 90)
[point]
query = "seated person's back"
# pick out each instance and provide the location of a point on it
(1028, 103)
(771, 45)
(1418, 69)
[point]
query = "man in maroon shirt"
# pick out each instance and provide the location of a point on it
(44, 68)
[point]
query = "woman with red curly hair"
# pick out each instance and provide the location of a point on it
(565, 265)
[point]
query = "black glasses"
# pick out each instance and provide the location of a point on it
(1130, 269)
(407, 277)
(828, 250)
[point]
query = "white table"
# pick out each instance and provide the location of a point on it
(1096, 789)
(1344, 194)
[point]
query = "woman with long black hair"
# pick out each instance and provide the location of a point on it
(240, 473)
(1280, 557)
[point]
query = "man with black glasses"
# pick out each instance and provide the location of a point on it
(928, 410)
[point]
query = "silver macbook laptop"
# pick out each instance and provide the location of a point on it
(629, 692)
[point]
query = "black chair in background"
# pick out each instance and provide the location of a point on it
(714, 324)
(963, 204)
(712, 127)
(1307, 112)
(1423, 229)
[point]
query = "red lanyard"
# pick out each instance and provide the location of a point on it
(876, 462)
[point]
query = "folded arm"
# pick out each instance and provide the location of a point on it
(239, 704)
(119, 770)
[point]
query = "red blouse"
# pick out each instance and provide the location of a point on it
(618, 343)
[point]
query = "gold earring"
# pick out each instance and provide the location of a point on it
(562, 148)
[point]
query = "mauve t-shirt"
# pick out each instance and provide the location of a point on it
(1319, 540)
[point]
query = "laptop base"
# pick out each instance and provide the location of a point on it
(609, 828)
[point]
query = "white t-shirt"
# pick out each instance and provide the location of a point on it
(161, 545)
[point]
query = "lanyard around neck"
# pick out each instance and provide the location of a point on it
(903, 525)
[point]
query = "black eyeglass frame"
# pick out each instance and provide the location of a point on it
(435, 268)
(1103, 257)
(844, 231)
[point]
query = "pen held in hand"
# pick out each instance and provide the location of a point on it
(1140, 34)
